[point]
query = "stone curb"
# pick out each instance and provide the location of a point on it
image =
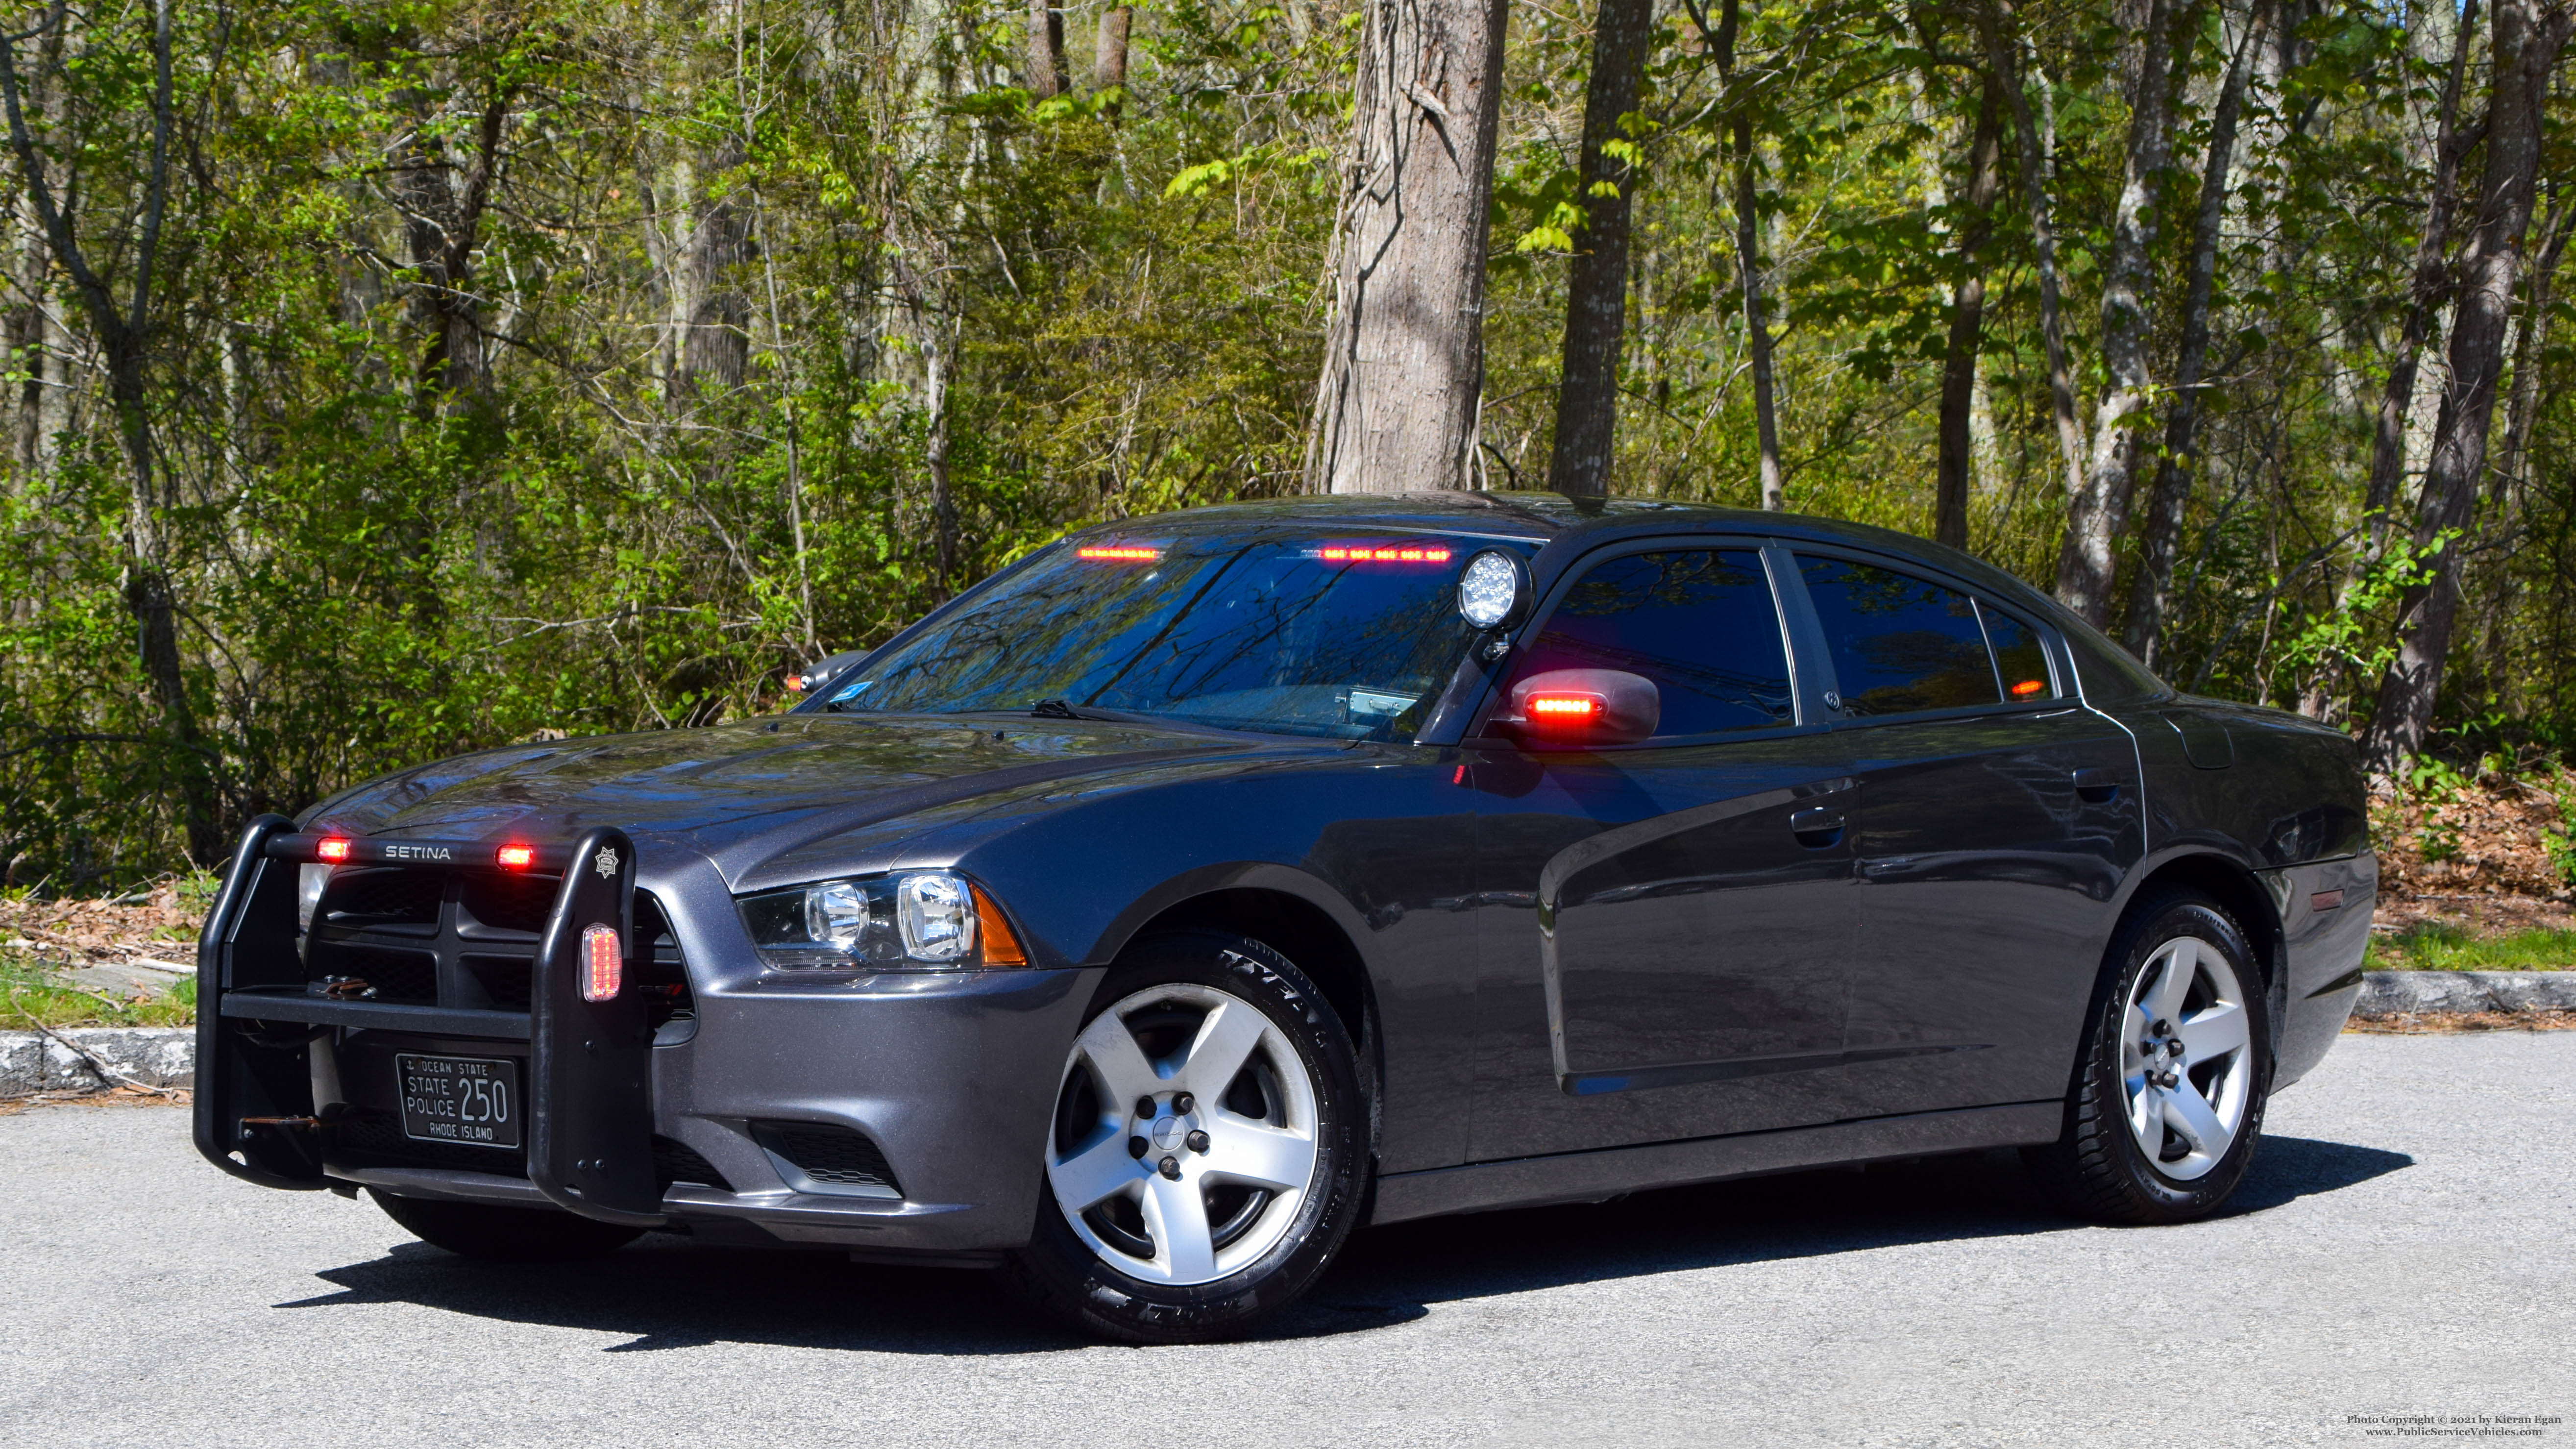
(166, 1056)
(158, 1056)
(2406, 993)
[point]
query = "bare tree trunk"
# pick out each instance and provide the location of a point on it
(1746, 203)
(2397, 399)
(1046, 50)
(442, 222)
(2086, 563)
(1596, 303)
(1967, 324)
(2526, 43)
(2003, 53)
(717, 349)
(2145, 626)
(1404, 355)
(124, 336)
(2426, 291)
(2511, 475)
(1109, 49)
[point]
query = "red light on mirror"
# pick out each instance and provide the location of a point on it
(603, 963)
(1381, 553)
(516, 857)
(333, 850)
(1565, 709)
(1118, 553)
(2028, 687)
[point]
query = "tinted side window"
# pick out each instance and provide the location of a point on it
(2018, 656)
(1898, 644)
(1699, 623)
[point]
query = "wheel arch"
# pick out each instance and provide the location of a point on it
(2239, 889)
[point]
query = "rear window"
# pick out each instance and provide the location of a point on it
(1899, 644)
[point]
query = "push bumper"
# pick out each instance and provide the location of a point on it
(949, 1076)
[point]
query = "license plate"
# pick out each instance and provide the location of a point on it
(469, 1100)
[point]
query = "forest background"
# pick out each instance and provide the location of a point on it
(389, 378)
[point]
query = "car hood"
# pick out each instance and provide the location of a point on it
(742, 792)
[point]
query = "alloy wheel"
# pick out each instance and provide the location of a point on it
(1185, 1135)
(2185, 1070)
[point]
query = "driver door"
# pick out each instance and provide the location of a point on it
(1666, 926)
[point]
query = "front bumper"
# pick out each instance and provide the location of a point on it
(937, 1087)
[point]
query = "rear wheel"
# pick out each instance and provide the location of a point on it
(502, 1234)
(2169, 1098)
(1205, 1159)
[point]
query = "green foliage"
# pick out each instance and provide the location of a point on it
(2443, 946)
(781, 323)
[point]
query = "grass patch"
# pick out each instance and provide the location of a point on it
(28, 998)
(2442, 946)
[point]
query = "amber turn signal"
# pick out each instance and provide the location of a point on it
(1001, 948)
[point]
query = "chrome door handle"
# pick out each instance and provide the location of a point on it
(1817, 827)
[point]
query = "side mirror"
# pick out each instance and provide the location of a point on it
(1579, 708)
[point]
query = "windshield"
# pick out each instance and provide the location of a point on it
(1349, 635)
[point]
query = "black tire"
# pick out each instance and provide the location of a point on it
(1067, 1279)
(2100, 1168)
(498, 1234)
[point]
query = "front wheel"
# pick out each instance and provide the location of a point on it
(2169, 1097)
(1206, 1158)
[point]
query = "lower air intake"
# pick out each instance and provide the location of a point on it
(828, 1158)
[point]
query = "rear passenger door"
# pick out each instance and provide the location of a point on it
(1997, 817)
(1667, 924)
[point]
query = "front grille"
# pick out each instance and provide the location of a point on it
(829, 1154)
(508, 981)
(510, 902)
(393, 927)
(383, 896)
(405, 976)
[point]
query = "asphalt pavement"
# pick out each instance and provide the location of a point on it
(2405, 1247)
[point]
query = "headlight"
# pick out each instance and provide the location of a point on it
(880, 923)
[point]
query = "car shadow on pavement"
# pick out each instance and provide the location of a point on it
(663, 1293)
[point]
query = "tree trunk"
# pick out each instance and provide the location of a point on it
(1967, 324)
(1109, 49)
(2003, 40)
(1046, 50)
(2144, 633)
(1404, 355)
(2086, 562)
(2511, 478)
(2526, 44)
(1746, 203)
(123, 333)
(1596, 304)
(2424, 301)
(2397, 399)
(717, 348)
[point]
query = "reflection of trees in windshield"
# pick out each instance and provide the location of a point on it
(1250, 632)
(1899, 643)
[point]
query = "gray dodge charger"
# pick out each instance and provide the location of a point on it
(1204, 887)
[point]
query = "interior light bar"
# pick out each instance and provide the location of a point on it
(1382, 553)
(1118, 553)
